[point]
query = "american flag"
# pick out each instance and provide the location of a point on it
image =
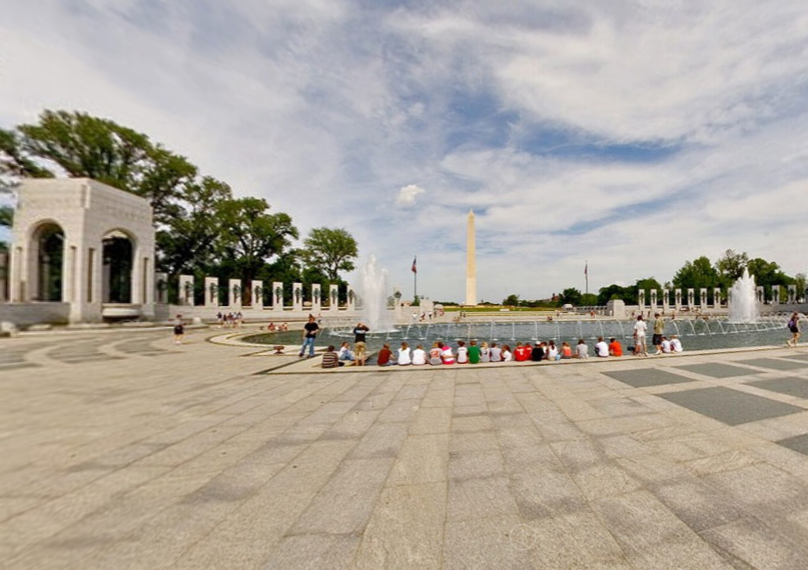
(586, 269)
(414, 268)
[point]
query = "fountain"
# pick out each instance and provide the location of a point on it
(374, 291)
(743, 308)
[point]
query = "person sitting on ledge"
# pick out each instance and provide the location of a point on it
(521, 353)
(462, 352)
(383, 358)
(345, 352)
(435, 354)
(566, 350)
(446, 354)
(614, 347)
(474, 353)
(404, 355)
(676, 344)
(507, 355)
(581, 350)
(496, 353)
(330, 358)
(666, 345)
(601, 348)
(419, 356)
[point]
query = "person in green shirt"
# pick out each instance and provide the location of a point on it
(474, 353)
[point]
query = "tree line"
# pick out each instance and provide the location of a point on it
(697, 274)
(202, 229)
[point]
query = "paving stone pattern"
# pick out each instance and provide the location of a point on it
(191, 461)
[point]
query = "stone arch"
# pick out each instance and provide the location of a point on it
(46, 250)
(118, 257)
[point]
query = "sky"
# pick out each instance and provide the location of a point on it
(629, 135)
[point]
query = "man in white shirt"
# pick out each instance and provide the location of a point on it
(676, 344)
(666, 345)
(640, 328)
(601, 348)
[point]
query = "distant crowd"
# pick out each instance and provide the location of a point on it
(441, 353)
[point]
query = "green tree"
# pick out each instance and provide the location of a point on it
(15, 162)
(330, 250)
(92, 147)
(511, 300)
(589, 300)
(251, 236)
(801, 282)
(768, 274)
(730, 267)
(571, 296)
(188, 240)
(614, 291)
(697, 274)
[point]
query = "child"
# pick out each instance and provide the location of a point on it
(419, 356)
(404, 358)
(462, 352)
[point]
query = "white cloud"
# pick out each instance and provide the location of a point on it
(408, 194)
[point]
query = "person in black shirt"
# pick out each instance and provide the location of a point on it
(538, 352)
(310, 330)
(359, 343)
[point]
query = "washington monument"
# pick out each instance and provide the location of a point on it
(471, 263)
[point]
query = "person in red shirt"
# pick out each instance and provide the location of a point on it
(383, 358)
(521, 353)
(614, 348)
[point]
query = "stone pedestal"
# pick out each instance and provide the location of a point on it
(186, 290)
(161, 288)
(277, 296)
(616, 308)
(297, 297)
(717, 297)
(211, 292)
(703, 298)
(351, 299)
(257, 294)
(234, 294)
(775, 295)
(333, 298)
(792, 294)
(653, 299)
(760, 294)
(316, 299)
(691, 298)
(666, 299)
(641, 299)
(677, 294)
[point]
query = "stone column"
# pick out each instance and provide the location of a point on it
(775, 294)
(161, 288)
(211, 292)
(333, 298)
(316, 299)
(277, 296)
(257, 294)
(641, 299)
(351, 299)
(703, 298)
(234, 293)
(691, 298)
(654, 299)
(677, 298)
(297, 297)
(717, 297)
(666, 303)
(760, 294)
(186, 292)
(792, 294)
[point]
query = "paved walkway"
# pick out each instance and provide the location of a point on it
(122, 450)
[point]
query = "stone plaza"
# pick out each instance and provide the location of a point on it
(122, 450)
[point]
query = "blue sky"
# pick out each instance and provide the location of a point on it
(633, 134)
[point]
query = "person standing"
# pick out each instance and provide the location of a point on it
(659, 328)
(794, 327)
(179, 330)
(310, 330)
(640, 329)
(359, 343)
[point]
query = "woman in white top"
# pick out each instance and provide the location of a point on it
(404, 357)
(507, 355)
(582, 350)
(552, 351)
(419, 356)
(485, 352)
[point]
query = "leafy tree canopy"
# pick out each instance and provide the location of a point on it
(330, 251)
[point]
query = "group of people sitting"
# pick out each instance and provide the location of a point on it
(443, 354)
